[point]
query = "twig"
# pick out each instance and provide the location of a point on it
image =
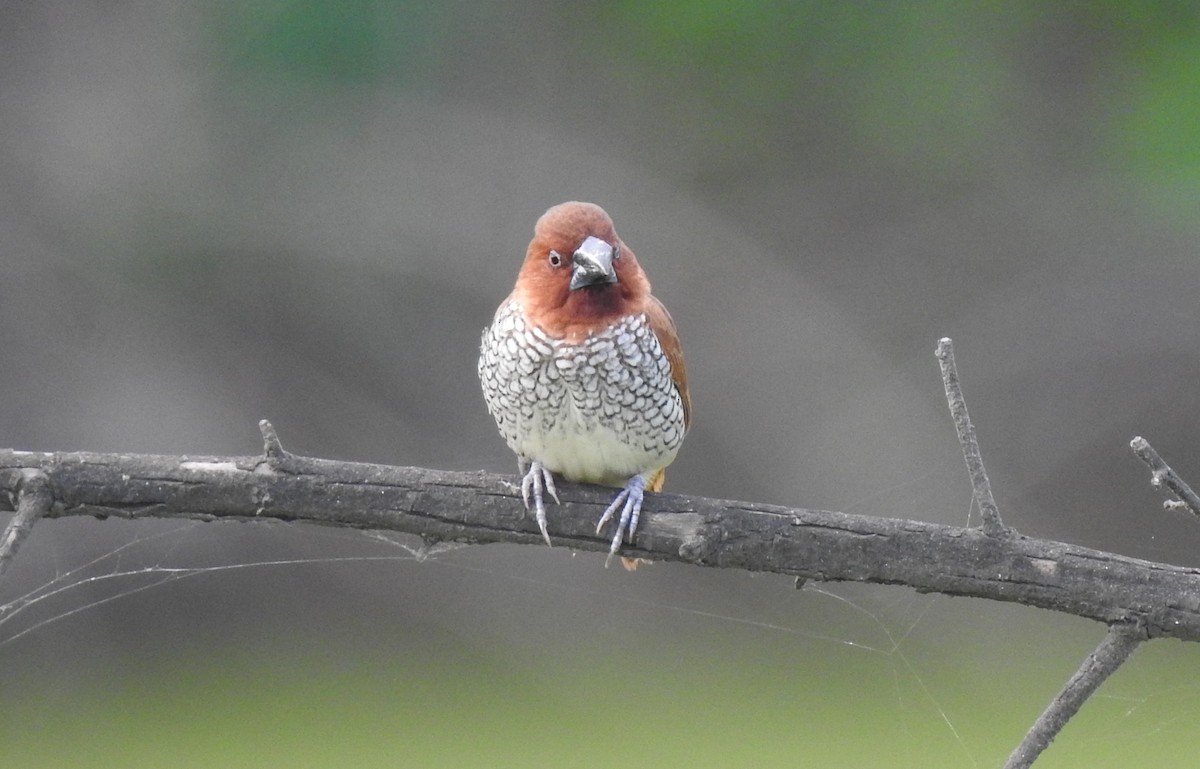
(1118, 644)
(33, 501)
(1163, 475)
(992, 525)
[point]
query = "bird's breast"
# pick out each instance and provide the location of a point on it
(599, 409)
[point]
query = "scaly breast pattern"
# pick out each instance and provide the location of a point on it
(601, 410)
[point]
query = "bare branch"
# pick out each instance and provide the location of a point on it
(1163, 475)
(444, 506)
(1118, 644)
(1137, 599)
(33, 501)
(992, 525)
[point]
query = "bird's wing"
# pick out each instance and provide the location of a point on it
(668, 339)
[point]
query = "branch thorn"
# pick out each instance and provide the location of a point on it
(272, 446)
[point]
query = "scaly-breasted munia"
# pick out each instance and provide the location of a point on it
(582, 368)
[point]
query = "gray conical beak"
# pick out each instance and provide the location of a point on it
(592, 263)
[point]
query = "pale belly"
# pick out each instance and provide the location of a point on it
(581, 450)
(599, 411)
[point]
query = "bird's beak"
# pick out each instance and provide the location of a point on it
(593, 263)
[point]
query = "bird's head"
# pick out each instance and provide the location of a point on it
(578, 276)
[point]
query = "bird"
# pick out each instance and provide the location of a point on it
(583, 371)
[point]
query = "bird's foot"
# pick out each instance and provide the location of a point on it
(629, 502)
(537, 481)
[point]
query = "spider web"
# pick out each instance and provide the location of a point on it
(877, 624)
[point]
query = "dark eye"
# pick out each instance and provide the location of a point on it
(555, 259)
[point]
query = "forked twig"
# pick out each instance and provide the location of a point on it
(1163, 475)
(992, 525)
(1122, 637)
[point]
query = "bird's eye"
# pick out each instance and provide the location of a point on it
(555, 259)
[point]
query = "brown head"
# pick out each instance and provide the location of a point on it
(578, 276)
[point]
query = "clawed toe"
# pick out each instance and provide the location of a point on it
(629, 502)
(536, 482)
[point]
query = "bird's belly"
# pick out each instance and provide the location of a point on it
(599, 411)
(591, 454)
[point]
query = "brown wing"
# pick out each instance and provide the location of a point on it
(668, 338)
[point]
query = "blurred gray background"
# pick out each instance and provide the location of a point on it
(216, 213)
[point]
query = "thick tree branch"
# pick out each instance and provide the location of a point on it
(482, 507)
(1137, 599)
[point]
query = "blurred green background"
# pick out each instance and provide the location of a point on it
(218, 212)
